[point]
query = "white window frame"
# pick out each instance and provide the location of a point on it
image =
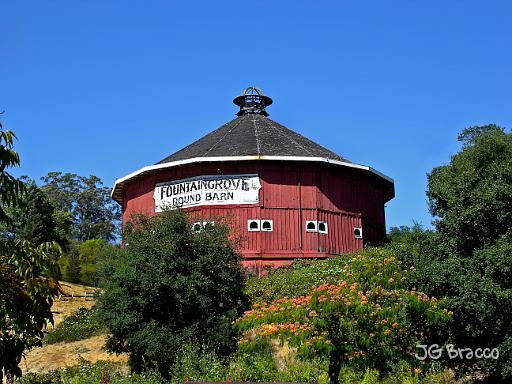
(250, 221)
(262, 221)
(314, 222)
(200, 227)
(326, 227)
(260, 225)
(360, 236)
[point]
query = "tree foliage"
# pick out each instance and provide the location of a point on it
(469, 257)
(81, 262)
(409, 243)
(10, 188)
(27, 275)
(94, 214)
(168, 287)
(33, 218)
(471, 198)
(27, 285)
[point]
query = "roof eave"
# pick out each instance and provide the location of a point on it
(117, 190)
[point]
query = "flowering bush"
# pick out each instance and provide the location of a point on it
(367, 268)
(366, 319)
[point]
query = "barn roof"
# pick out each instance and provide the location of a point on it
(250, 136)
(253, 134)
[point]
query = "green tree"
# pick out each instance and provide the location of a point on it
(469, 262)
(471, 198)
(80, 264)
(95, 215)
(27, 286)
(10, 188)
(33, 218)
(408, 243)
(70, 264)
(168, 287)
(27, 282)
(91, 254)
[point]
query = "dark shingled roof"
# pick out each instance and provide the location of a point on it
(252, 134)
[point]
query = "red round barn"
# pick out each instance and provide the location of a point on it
(284, 195)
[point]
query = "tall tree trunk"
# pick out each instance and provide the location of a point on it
(334, 368)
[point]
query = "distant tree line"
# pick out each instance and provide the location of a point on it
(74, 211)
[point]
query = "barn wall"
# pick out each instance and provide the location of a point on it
(291, 193)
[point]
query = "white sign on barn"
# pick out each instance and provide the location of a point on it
(207, 190)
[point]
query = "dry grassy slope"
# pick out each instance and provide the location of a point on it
(61, 355)
(64, 308)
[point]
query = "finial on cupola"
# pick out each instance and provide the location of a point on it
(252, 100)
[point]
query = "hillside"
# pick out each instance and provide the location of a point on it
(367, 288)
(65, 354)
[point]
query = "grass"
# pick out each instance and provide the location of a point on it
(90, 373)
(68, 353)
(82, 324)
(207, 367)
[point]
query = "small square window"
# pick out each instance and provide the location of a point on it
(311, 226)
(267, 225)
(207, 224)
(197, 227)
(322, 227)
(253, 225)
(358, 232)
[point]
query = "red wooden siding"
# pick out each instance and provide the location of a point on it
(291, 194)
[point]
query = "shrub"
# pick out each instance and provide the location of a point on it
(82, 324)
(259, 364)
(87, 373)
(169, 287)
(469, 257)
(367, 319)
(304, 275)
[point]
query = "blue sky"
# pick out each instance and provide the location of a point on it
(107, 87)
